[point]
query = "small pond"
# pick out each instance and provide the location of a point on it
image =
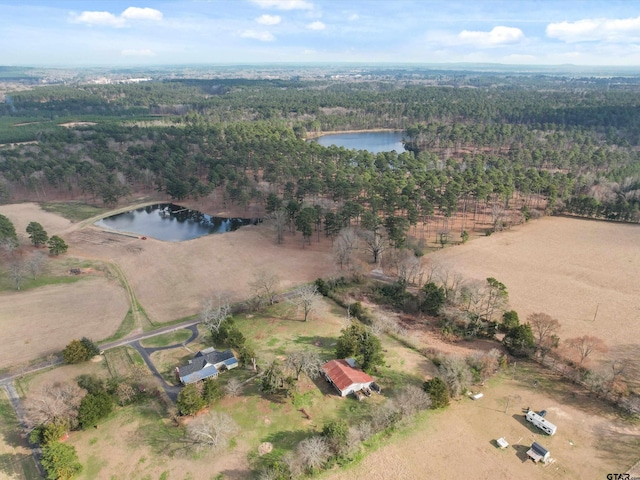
(173, 223)
(374, 142)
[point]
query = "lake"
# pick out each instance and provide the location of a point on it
(170, 222)
(374, 142)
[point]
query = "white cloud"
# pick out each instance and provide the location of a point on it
(144, 52)
(108, 19)
(595, 29)
(262, 36)
(316, 26)
(284, 4)
(99, 18)
(135, 13)
(498, 36)
(353, 17)
(268, 19)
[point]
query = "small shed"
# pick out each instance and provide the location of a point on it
(502, 443)
(537, 453)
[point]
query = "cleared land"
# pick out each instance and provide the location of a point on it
(591, 440)
(42, 321)
(171, 280)
(564, 267)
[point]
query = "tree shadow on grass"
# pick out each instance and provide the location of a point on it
(234, 474)
(287, 439)
(618, 443)
(11, 464)
(561, 390)
(326, 346)
(629, 356)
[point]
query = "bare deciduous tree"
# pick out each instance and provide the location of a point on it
(215, 312)
(211, 431)
(304, 361)
(34, 264)
(16, 273)
(545, 329)
(54, 402)
(125, 393)
(344, 246)
(412, 399)
(279, 221)
(304, 298)
(449, 279)
(233, 388)
(313, 453)
(264, 287)
(384, 323)
(584, 346)
(376, 242)
(456, 374)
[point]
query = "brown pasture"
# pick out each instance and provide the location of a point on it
(582, 272)
(591, 441)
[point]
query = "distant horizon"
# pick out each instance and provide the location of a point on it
(125, 33)
(329, 65)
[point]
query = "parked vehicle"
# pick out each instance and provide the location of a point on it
(540, 422)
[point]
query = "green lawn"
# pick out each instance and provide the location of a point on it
(171, 338)
(74, 211)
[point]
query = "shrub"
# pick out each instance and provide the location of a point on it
(189, 400)
(438, 391)
(60, 461)
(91, 348)
(75, 352)
(90, 383)
(94, 407)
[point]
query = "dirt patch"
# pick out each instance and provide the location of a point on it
(567, 268)
(42, 321)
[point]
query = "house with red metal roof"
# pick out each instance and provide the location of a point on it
(345, 377)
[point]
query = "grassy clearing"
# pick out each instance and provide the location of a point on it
(6, 285)
(125, 328)
(171, 338)
(119, 361)
(74, 211)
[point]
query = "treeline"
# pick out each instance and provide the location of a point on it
(470, 150)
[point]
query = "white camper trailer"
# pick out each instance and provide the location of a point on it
(540, 422)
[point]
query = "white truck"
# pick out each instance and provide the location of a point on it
(541, 422)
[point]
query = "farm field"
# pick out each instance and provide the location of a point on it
(459, 442)
(41, 321)
(564, 267)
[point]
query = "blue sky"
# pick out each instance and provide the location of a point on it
(169, 32)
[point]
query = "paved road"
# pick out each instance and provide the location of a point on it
(172, 391)
(189, 324)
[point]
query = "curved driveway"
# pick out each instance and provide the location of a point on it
(172, 391)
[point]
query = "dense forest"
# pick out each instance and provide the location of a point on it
(475, 143)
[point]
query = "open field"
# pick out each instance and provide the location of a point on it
(566, 268)
(44, 320)
(171, 280)
(459, 442)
